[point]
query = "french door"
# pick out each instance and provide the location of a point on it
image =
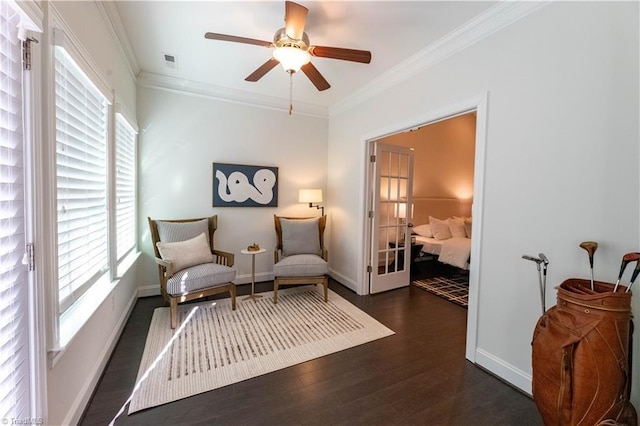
(392, 173)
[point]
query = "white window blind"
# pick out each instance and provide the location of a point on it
(81, 167)
(125, 187)
(14, 349)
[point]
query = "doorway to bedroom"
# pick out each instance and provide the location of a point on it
(438, 218)
(461, 203)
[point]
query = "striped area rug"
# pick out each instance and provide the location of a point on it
(214, 346)
(455, 288)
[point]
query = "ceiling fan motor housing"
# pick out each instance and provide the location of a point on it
(281, 39)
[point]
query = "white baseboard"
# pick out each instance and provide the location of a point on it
(149, 290)
(504, 371)
(79, 405)
(347, 282)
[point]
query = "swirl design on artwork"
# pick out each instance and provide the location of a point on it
(236, 187)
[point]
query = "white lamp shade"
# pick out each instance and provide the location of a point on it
(310, 196)
(401, 210)
(291, 58)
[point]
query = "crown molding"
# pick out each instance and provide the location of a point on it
(113, 21)
(195, 88)
(492, 20)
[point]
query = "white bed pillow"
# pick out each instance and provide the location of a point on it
(183, 254)
(439, 228)
(456, 226)
(423, 230)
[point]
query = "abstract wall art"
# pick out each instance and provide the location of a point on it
(237, 185)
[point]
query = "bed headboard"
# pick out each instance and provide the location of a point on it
(440, 208)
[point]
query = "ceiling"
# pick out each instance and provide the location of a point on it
(393, 31)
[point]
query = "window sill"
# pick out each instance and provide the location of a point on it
(74, 318)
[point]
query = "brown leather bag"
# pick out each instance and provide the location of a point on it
(581, 370)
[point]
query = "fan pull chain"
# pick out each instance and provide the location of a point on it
(290, 92)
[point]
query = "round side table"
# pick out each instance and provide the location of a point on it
(253, 296)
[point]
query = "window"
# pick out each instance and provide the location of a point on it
(14, 348)
(81, 179)
(125, 187)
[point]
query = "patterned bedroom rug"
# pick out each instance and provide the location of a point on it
(214, 346)
(455, 288)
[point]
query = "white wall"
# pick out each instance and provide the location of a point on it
(71, 380)
(561, 161)
(182, 135)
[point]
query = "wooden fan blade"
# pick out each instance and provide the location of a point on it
(225, 37)
(295, 17)
(316, 78)
(363, 56)
(262, 70)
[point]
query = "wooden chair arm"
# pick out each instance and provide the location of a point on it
(166, 265)
(223, 257)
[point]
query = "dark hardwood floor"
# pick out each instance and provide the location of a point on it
(419, 376)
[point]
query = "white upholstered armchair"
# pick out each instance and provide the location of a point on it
(188, 265)
(300, 256)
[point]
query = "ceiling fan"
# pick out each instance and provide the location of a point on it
(293, 50)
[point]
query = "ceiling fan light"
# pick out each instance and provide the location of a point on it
(291, 58)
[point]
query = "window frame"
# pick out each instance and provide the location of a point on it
(62, 327)
(81, 162)
(122, 116)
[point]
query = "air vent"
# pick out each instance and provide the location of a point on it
(170, 61)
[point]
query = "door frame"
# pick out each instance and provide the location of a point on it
(479, 104)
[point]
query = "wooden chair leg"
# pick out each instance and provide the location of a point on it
(173, 309)
(233, 297)
(275, 290)
(326, 289)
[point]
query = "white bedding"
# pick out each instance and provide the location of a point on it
(429, 245)
(456, 251)
(452, 251)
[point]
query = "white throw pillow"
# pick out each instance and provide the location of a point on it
(423, 230)
(456, 226)
(183, 254)
(440, 228)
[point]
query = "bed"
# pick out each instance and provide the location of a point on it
(443, 227)
(453, 251)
